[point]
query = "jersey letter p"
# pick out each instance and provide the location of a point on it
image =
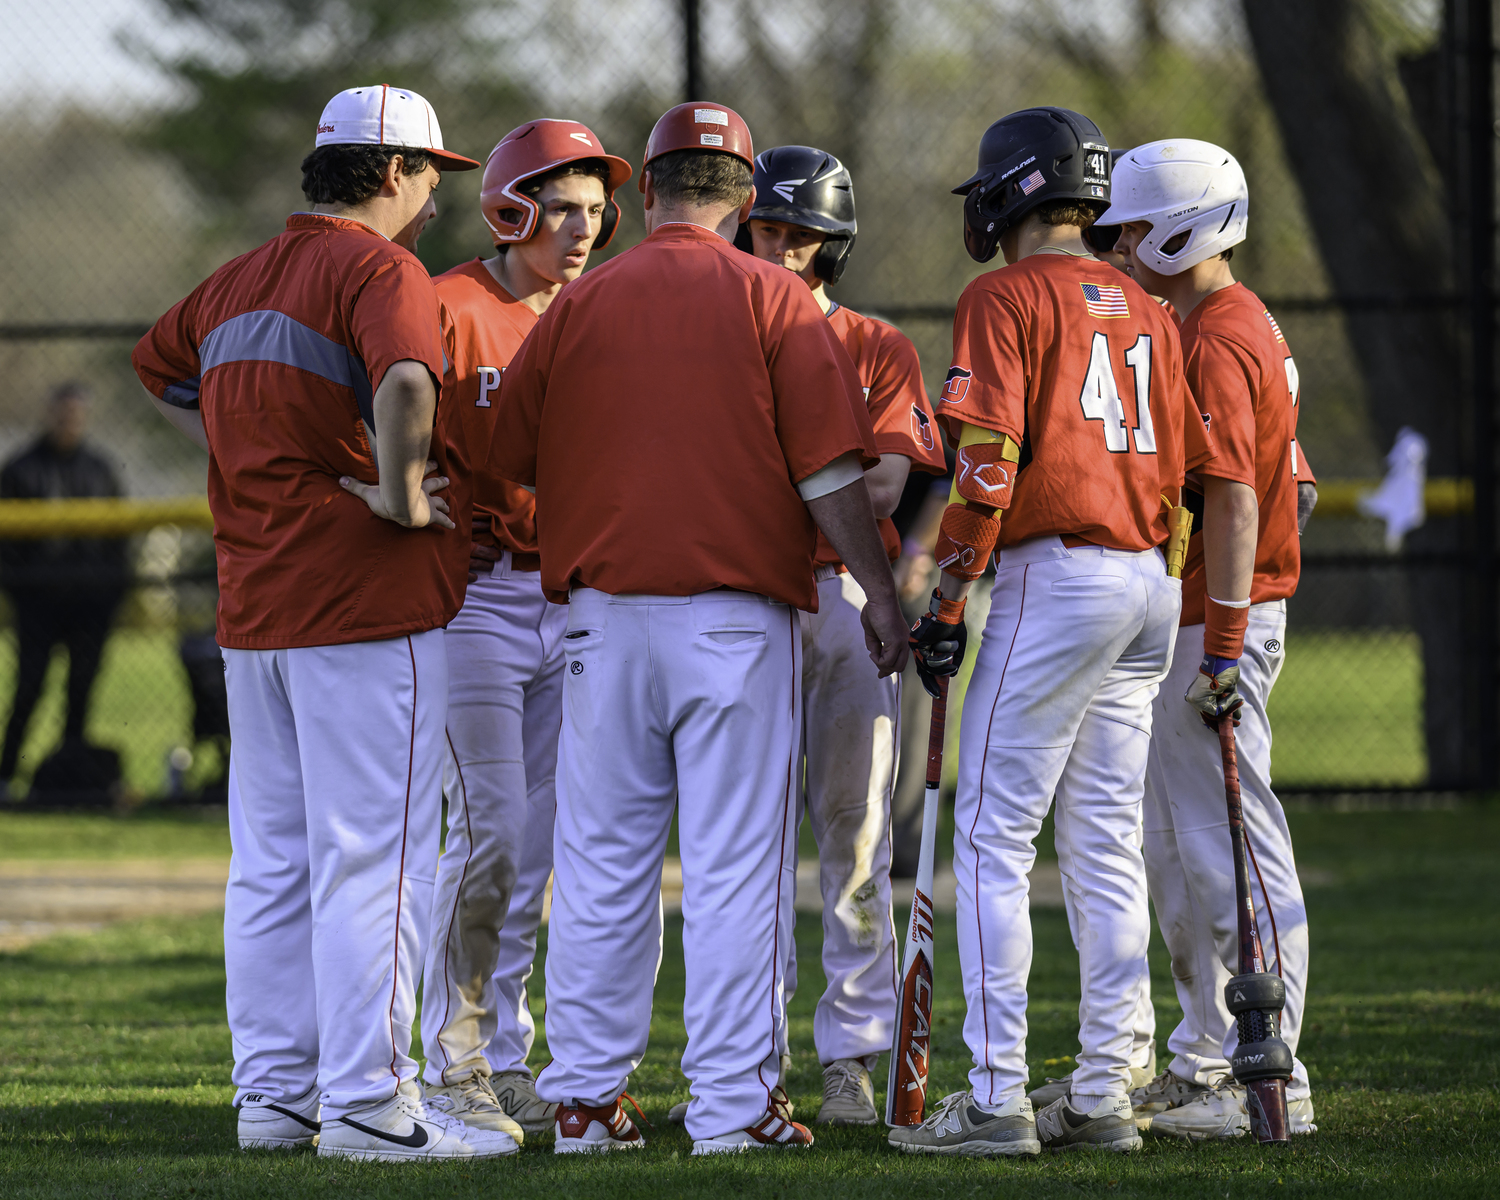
(489, 381)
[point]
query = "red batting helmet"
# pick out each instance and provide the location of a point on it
(534, 148)
(699, 125)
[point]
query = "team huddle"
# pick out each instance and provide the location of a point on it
(585, 553)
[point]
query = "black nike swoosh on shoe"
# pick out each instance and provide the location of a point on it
(417, 1136)
(315, 1126)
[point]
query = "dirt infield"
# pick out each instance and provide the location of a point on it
(42, 897)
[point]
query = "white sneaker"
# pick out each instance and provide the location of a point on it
(403, 1129)
(770, 1131)
(473, 1102)
(1216, 1113)
(515, 1091)
(1221, 1113)
(268, 1123)
(848, 1094)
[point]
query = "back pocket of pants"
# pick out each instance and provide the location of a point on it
(1088, 585)
(734, 637)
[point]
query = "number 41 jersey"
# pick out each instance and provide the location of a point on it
(1084, 370)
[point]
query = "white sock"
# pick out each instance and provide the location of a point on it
(1085, 1103)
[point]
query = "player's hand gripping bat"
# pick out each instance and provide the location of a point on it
(906, 1086)
(1262, 1061)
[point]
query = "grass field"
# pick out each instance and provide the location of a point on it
(114, 1057)
(141, 707)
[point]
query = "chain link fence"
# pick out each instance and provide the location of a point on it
(161, 137)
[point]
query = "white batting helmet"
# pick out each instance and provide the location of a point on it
(1180, 186)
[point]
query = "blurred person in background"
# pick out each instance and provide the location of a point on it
(63, 590)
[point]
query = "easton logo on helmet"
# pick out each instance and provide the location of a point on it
(956, 386)
(784, 188)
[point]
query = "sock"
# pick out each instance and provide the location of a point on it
(1086, 1102)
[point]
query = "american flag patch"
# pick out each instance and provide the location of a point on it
(1104, 300)
(1031, 182)
(1275, 328)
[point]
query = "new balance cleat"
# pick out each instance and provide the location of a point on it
(473, 1102)
(515, 1092)
(960, 1127)
(269, 1123)
(586, 1129)
(1109, 1125)
(1057, 1087)
(1161, 1093)
(769, 1133)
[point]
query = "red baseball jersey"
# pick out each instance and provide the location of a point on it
(664, 408)
(891, 376)
(484, 325)
(282, 351)
(1084, 370)
(1241, 371)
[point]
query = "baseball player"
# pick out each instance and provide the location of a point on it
(308, 369)
(1101, 240)
(1183, 206)
(1067, 402)
(803, 220)
(547, 196)
(684, 654)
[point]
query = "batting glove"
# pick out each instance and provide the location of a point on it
(1214, 691)
(938, 640)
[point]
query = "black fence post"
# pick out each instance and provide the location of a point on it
(1481, 244)
(692, 49)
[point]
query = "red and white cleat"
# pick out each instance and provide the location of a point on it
(770, 1131)
(583, 1128)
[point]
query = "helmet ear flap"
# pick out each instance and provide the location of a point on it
(981, 232)
(831, 259)
(609, 221)
(742, 238)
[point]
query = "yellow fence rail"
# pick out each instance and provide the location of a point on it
(1443, 497)
(100, 517)
(120, 518)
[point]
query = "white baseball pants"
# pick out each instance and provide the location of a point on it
(335, 789)
(1077, 642)
(504, 710)
(692, 702)
(1190, 864)
(1143, 1023)
(851, 744)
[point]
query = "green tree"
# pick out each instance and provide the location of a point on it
(259, 72)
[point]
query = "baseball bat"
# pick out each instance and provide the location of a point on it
(1262, 1061)
(906, 1084)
